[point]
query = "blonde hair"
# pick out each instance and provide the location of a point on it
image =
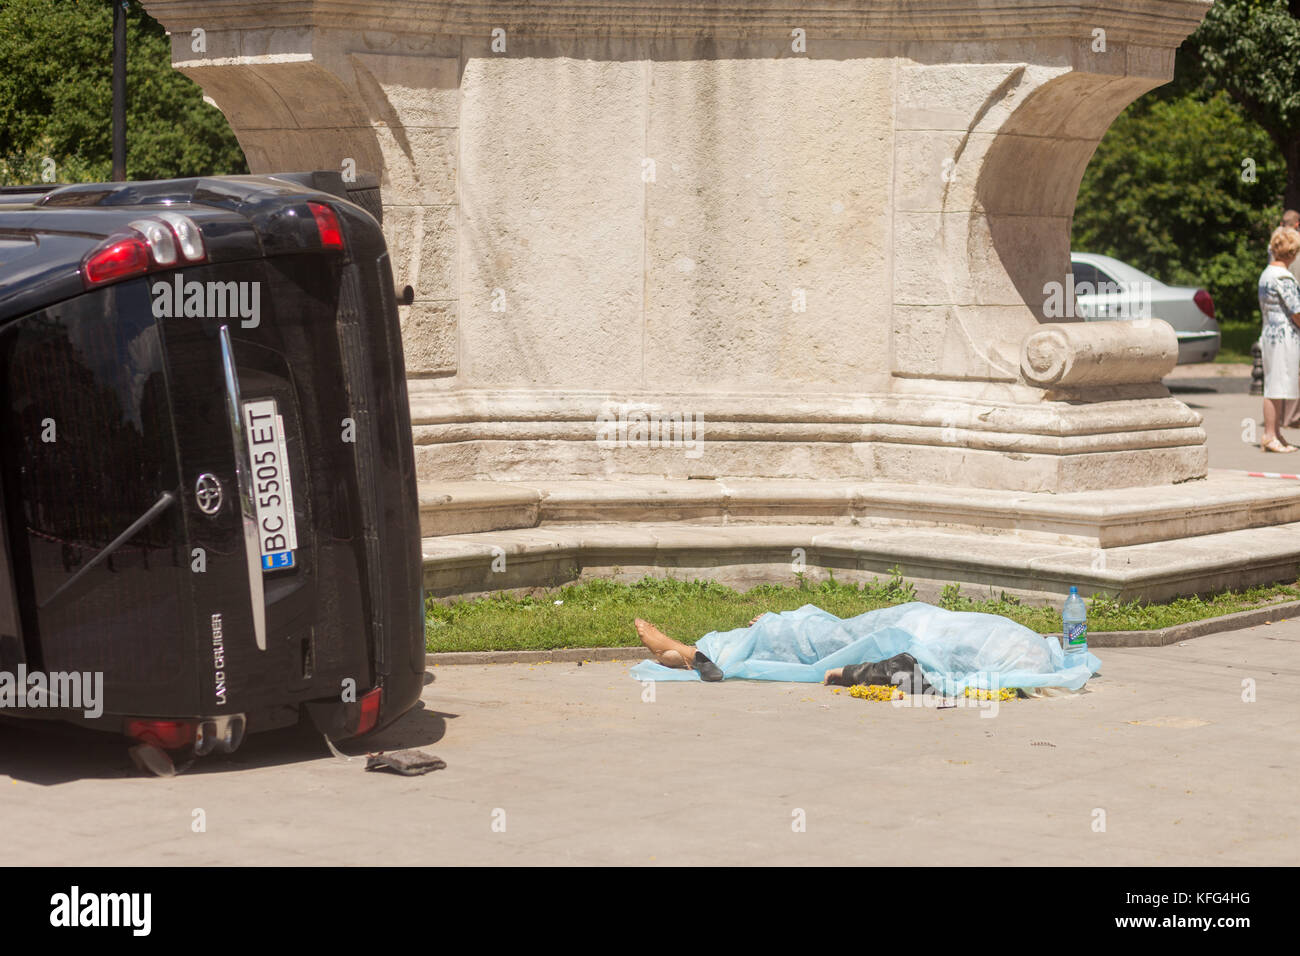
(1284, 243)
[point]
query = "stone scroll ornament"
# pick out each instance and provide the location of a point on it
(1098, 353)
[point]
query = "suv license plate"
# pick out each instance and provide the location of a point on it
(272, 492)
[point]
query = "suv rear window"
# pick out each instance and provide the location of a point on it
(86, 448)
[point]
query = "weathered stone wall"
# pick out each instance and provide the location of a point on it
(824, 230)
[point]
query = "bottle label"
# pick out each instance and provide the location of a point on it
(1076, 634)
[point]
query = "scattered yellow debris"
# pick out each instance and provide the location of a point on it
(876, 692)
(1006, 693)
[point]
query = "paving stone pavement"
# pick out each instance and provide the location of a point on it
(572, 765)
(566, 763)
(1228, 411)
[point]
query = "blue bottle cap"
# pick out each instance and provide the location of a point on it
(1074, 589)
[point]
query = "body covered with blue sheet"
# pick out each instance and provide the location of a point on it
(954, 649)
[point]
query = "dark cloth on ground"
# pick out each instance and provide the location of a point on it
(899, 671)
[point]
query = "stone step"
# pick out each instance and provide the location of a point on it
(743, 555)
(1223, 502)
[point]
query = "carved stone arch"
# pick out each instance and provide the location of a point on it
(289, 112)
(1030, 176)
(1016, 146)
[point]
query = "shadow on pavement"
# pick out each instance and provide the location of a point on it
(1227, 385)
(49, 753)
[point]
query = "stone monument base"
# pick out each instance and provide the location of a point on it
(1155, 543)
(834, 235)
(987, 435)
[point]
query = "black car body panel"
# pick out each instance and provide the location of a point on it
(136, 391)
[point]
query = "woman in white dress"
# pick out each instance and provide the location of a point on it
(1279, 303)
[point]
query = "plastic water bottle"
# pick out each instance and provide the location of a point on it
(1074, 629)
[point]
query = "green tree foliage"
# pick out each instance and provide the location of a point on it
(1166, 192)
(1251, 50)
(1165, 189)
(56, 98)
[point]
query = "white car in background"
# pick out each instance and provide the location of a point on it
(1107, 289)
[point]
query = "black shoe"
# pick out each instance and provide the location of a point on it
(707, 669)
(900, 671)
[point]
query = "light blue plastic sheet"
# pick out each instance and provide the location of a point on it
(955, 649)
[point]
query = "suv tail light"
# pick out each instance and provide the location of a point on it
(119, 258)
(370, 704)
(158, 236)
(188, 236)
(167, 734)
(159, 242)
(331, 236)
(1204, 302)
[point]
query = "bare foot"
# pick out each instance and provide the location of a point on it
(651, 636)
(668, 652)
(756, 619)
(833, 676)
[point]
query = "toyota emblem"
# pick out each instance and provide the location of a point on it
(207, 493)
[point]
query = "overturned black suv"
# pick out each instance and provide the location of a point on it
(206, 467)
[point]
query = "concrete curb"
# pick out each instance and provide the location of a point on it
(1210, 625)
(560, 655)
(1158, 638)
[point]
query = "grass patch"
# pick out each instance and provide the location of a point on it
(599, 613)
(1236, 338)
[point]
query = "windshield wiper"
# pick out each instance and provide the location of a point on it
(165, 501)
